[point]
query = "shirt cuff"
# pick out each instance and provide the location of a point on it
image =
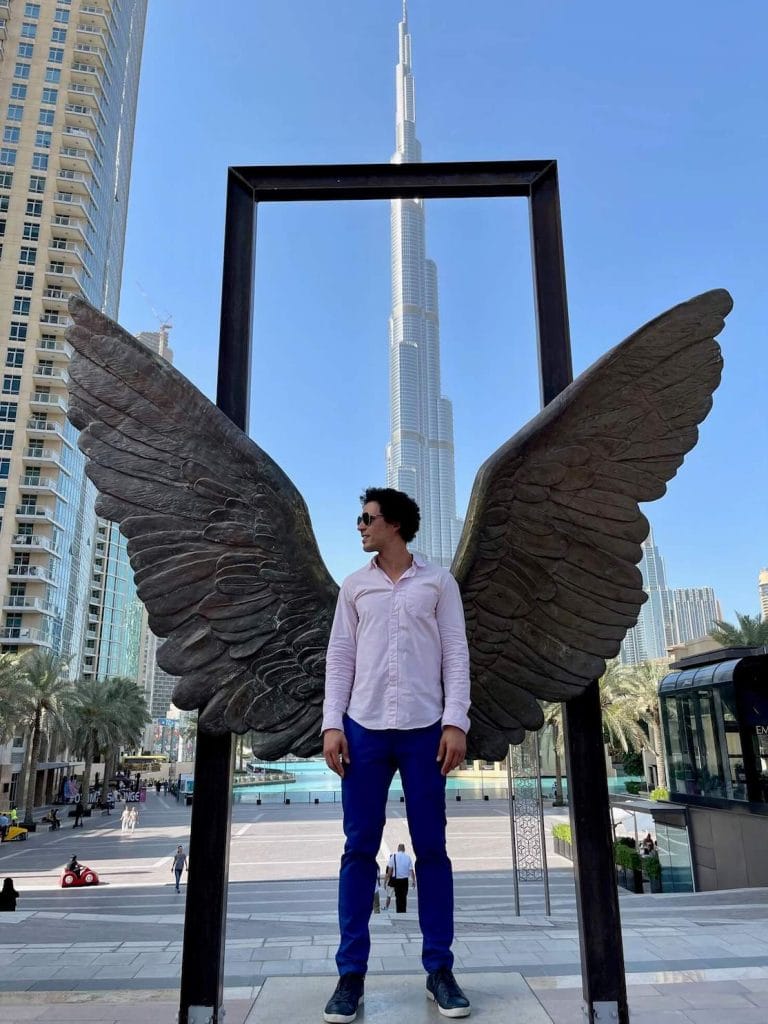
(456, 718)
(332, 720)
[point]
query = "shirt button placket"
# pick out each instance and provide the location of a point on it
(392, 647)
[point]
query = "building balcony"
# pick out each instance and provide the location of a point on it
(24, 603)
(32, 483)
(66, 226)
(42, 429)
(79, 157)
(60, 350)
(31, 573)
(36, 514)
(63, 249)
(80, 136)
(87, 95)
(43, 400)
(25, 542)
(86, 73)
(71, 202)
(51, 373)
(3, 22)
(91, 51)
(58, 273)
(95, 11)
(45, 457)
(92, 34)
(21, 635)
(78, 182)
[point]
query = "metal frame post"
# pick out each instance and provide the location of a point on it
(205, 922)
(597, 900)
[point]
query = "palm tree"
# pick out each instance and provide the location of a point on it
(752, 631)
(46, 689)
(105, 715)
(129, 710)
(12, 696)
(618, 722)
(641, 698)
(92, 723)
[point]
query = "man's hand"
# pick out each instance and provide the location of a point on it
(452, 749)
(336, 750)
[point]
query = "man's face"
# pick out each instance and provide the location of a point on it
(378, 533)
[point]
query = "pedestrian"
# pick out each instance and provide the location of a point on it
(124, 818)
(133, 817)
(396, 697)
(399, 871)
(157, 786)
(14, 815)
(5, 824)
(79, 812)
(179, 864)
(8, 895)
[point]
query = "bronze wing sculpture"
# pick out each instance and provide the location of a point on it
(227, 564)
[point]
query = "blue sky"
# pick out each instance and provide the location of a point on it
(656, 115)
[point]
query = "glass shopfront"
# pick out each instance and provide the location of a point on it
(715, 721)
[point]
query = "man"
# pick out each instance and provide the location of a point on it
(75, 866)
(79, 812)
(178, 865)
(5, 824)
(399, 870)
(396, 697)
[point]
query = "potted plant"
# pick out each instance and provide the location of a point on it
(628, 861)
(561, 834)
(651, 866)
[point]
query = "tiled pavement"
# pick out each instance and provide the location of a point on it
(690, 959)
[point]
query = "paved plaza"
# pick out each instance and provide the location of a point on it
(113, 953)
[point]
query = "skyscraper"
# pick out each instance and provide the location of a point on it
(420, 455)
(696, 610)
(68, 89)
(653, 634)
(762, 590)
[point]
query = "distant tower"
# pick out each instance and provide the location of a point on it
(762, 586)
(420, 455)
(654, 632)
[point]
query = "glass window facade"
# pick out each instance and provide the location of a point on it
(715, 720)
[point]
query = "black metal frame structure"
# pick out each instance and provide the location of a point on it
(602, 957)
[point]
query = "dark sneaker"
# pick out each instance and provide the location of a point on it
(342, 1006)
(443, 988)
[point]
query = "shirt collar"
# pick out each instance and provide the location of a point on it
(418, 561)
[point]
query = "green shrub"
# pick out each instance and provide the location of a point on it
(633, 787)
(562, 832)
(660, 793)
(626, 857)
(633, 763)
(651, 866)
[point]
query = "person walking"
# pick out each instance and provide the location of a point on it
(179, 864)
(5, 824)
(396, 697)
(133, 818)
(79, 812)
(8, 895)
(124, 818)
(399, 871)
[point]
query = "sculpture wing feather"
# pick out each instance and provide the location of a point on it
(219, 539)
(548, 558)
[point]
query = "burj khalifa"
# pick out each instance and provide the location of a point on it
(420, 454)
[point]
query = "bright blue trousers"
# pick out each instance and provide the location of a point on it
(375, 755)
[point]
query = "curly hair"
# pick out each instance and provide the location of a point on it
(397, 508)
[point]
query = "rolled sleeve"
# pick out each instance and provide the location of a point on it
(340, 663)
(455, 655)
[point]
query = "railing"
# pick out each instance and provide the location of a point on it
(37, 604)
(44, 543)
(25, 636)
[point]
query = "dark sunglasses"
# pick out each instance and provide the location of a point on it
(367, 518)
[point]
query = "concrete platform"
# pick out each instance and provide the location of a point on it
(496, 998)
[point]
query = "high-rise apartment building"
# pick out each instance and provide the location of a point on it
(69, 75)
(155, 682)
(420, 454)
(762, 589)
(696, 609)
(668, 617)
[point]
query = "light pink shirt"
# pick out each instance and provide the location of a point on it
(398, 657)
